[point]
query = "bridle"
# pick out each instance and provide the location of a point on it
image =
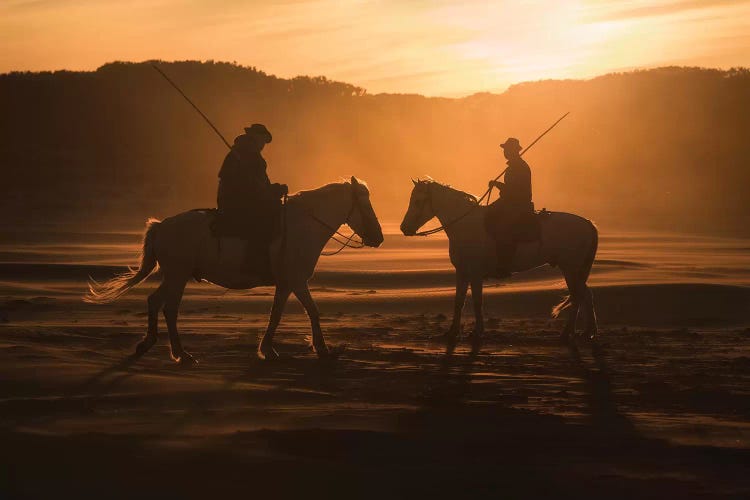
(428, 199)
(347, 240)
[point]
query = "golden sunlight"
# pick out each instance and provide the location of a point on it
(441, 48)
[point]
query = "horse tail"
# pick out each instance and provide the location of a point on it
(566, 302)
(112, 289)
(588, 263)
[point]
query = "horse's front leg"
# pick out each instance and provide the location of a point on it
(318, 342)
(476, 297)
(265, 347)
(462, 285)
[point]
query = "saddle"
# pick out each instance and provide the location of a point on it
(237, 246)
(525, 227)
(528, 227)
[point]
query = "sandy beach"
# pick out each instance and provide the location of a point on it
(659, 405)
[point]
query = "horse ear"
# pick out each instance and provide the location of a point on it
(354, 180)
(414, 182)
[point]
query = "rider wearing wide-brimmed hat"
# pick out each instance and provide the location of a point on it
(247, 200)
(514, 202)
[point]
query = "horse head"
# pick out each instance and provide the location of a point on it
(362, 218)
(420, 209)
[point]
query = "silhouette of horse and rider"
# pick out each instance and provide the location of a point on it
(271, 249)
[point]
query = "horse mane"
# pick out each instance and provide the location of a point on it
(327, 188)
(429, 180)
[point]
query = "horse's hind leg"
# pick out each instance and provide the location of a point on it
(155, 301)
(476, 297)
(172, 298)
(589, 313)
(574, 289)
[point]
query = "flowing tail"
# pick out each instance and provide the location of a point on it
(112, 289)
(586, 270)
(559, 308)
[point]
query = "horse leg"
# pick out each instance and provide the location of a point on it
(590, 313)
(265, 347)
(172, 299)
(462, 285)
(318, 342)
(476, 297)
(155, 301)
(574, 291)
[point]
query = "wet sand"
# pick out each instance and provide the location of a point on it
(643, 411)
(659, 406)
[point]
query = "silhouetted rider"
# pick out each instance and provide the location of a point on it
(507, 212)
(248, 202)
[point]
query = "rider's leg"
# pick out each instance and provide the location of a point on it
(498, 228)
(259, 234)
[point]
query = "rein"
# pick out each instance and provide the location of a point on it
(486, 194)
(347, 242)
(443, 227)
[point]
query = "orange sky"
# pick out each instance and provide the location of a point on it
(429, 47)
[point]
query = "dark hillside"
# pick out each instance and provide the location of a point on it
(665, 148)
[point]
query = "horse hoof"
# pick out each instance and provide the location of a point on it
(323, 352)
(186, 359)
(143, 346)
(268, 354)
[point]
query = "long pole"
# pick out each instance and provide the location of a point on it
(173, 84)
(544, 133)
(489, 190)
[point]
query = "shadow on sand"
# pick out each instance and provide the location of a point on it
(459, 443)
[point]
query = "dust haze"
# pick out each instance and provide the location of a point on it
(661, 149)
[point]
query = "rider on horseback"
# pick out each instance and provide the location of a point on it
(248, 202)
(508, 212)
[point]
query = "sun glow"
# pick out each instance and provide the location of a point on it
(434, 48)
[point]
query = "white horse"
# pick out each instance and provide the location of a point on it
(567, 241)
(184, 247)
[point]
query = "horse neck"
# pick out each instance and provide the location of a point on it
(450, 206)
(330, 204)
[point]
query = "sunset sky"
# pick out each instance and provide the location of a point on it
(429, 47)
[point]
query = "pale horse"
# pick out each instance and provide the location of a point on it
(184, 247)
(567, 241)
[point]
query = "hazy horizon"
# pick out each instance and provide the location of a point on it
(633, 154)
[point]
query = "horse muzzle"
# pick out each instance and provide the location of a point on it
(373, 242)
(407, 231)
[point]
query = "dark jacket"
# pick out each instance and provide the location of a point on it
(517, 189)
(506, 216)
(244, 185)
